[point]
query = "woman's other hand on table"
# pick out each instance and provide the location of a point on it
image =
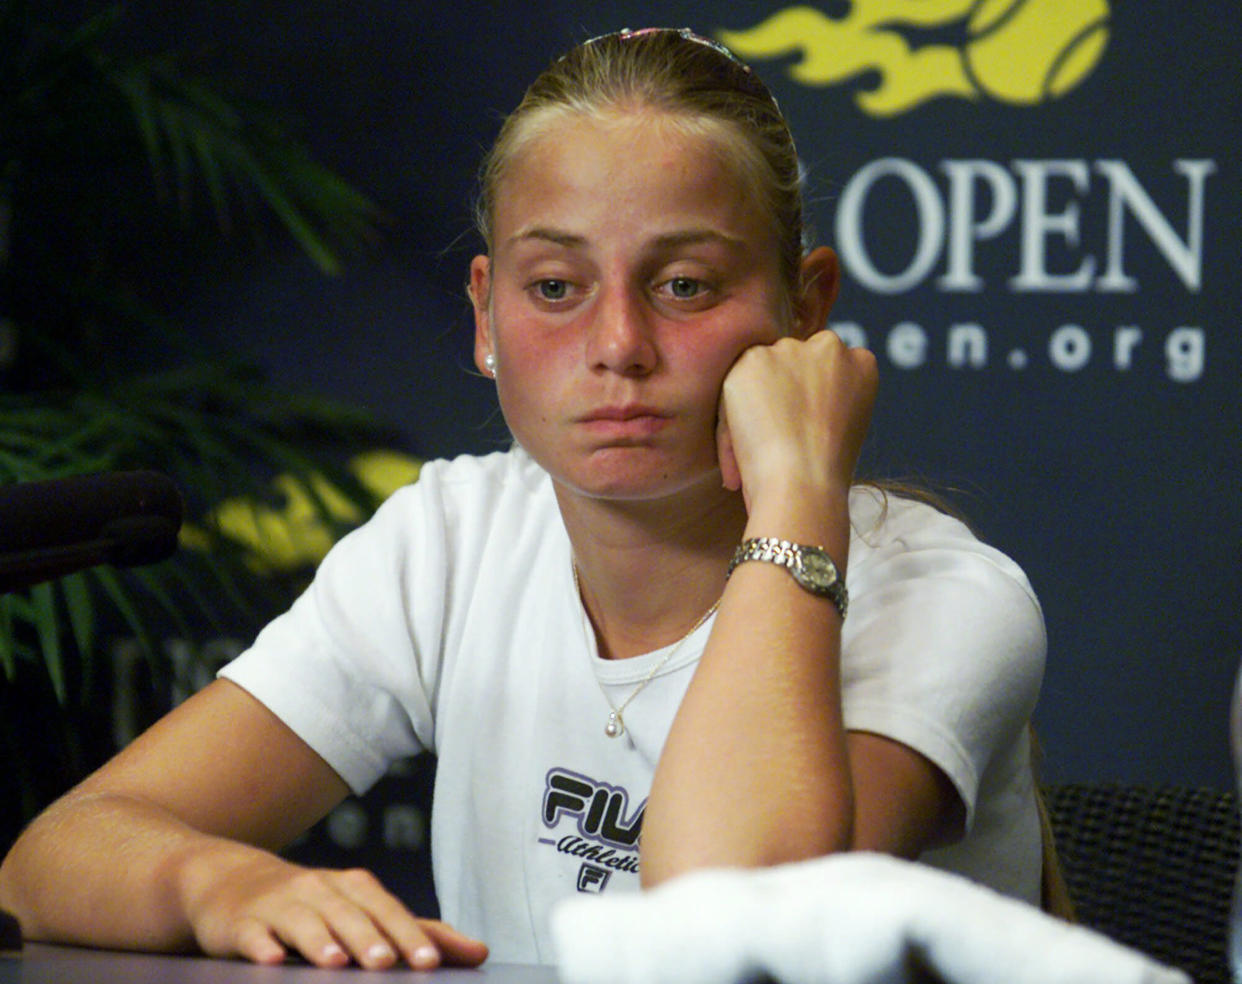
(262, 908)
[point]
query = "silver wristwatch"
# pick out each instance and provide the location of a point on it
(811, 567)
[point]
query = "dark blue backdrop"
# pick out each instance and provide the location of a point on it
(1052, 295)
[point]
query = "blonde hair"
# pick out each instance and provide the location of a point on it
(679, 74)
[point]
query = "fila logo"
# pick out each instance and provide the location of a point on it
(592, 879)
(598, 808)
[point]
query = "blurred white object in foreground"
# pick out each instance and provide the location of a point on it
(844, 919)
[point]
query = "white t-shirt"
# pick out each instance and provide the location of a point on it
(450, 622)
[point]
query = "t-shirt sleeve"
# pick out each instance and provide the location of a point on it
(944, 646)
(352, 664)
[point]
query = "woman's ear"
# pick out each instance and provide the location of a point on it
(821, 279)
(480, 291)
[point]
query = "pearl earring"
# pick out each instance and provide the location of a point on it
(489, 363)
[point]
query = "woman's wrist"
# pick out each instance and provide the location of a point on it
(204, 864)
(802, 512)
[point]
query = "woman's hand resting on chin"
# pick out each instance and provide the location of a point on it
(793, 415)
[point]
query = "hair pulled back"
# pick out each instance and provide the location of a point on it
(679, 74)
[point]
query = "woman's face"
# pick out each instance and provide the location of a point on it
(630, 267)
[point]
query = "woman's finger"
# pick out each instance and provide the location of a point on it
(730, 474)
(256, 942)
(351, 923)
(391, 924)
(455, 946)
(307, 931)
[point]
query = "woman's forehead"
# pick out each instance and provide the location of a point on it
(609, 159)
(634, 118)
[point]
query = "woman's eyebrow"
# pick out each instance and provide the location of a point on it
(695, 237)
(667, 240)
(557, 237)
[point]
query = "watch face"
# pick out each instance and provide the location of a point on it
(818, 568)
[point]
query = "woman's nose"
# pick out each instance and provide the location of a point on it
(620, 337)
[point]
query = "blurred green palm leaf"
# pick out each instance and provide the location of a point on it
(71, 86)
(101, 379)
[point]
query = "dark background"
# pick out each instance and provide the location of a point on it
(1116, 489)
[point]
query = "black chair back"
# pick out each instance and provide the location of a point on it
(1153, 868)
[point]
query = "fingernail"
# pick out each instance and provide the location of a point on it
(270, 954)
(426, 956)
(333, 951)
(381, 953)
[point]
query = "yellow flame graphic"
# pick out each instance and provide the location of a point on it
(1020, 52)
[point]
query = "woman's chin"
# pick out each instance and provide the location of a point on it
(637, 478)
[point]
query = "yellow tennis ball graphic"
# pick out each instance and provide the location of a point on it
(1026, 51)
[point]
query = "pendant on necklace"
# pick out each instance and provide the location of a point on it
(615, 726)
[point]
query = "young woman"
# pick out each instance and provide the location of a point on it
(636, 620)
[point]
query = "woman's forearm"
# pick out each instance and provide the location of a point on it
(755, 770)
(113, 871)
(106, 870)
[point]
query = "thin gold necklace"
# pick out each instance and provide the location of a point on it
(615, 727)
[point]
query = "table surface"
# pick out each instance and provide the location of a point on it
(40, 963)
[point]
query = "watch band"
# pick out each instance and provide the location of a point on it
(810, 566)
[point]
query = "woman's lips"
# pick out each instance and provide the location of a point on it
(624, 422)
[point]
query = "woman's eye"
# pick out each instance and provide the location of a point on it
(684, 288)
(553, 290)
